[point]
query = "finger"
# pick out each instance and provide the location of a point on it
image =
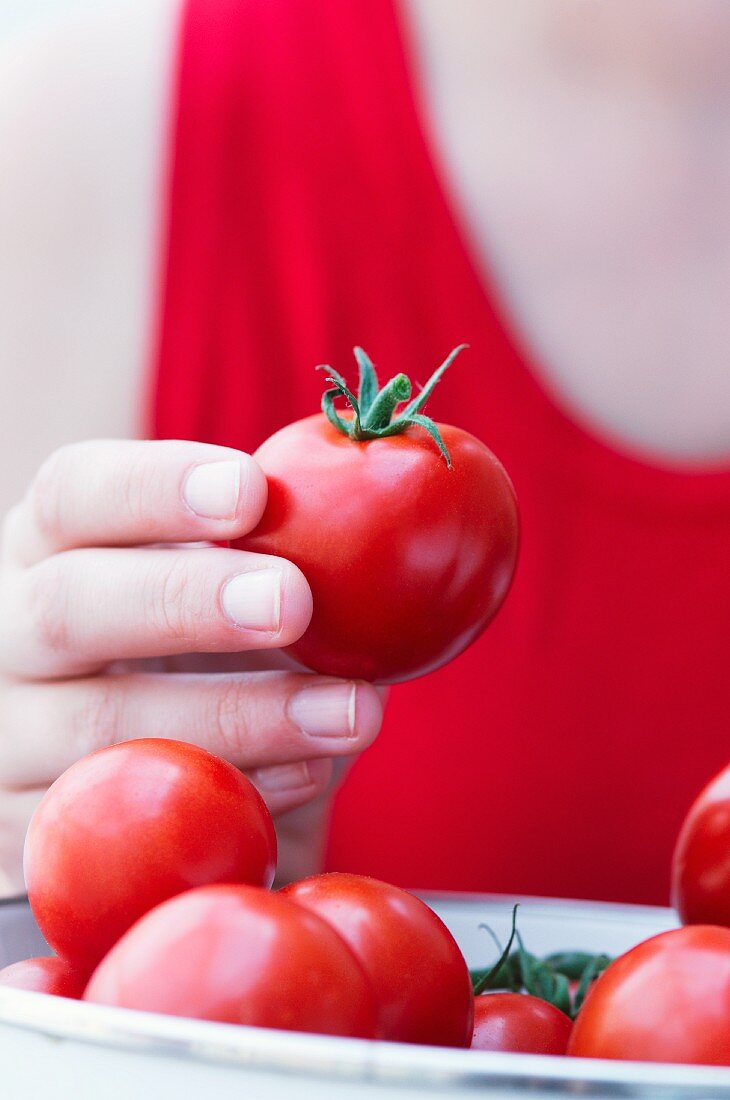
(75, 612)
(126, 493)
(16, 810)
(252, 719)
(286, 787)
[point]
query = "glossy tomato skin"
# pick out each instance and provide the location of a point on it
(407, 559)
(667, 1000)
(419, 975)
(238, 955)
(701, 862)
(129, 826)
(519, 1023)
(45, 975)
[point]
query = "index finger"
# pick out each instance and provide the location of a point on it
(130, 493)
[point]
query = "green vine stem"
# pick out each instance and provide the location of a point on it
(520, 971)
(375, 410)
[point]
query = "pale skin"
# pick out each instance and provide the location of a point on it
(587, 149)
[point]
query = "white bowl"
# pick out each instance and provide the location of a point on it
(65, 1050)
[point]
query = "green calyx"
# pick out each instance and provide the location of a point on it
(375, 410)
(520, 971)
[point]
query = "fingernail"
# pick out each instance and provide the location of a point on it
(212, 489)
(253, 600)
(283, 777)
(325, 710)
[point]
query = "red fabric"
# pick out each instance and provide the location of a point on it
(559, 754)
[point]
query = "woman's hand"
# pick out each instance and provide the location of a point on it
(100, 598)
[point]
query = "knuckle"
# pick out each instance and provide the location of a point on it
(134, 490)
(229, 719)
(47, 605)
(94, 720)
(172, 601)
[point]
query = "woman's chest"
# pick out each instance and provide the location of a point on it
(601, 216)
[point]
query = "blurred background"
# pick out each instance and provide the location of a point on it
(18, 15)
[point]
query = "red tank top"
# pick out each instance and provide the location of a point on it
(306, 214)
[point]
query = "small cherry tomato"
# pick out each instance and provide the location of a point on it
(519, 1023)
(45, 975)
(421, 981)
(701, 863)
(132, 825)
(667, 1000)
(239, 955)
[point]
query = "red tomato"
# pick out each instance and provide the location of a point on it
(45, 975)
(701, 863)
(408, 560)
(667, 1000)
(519, 1023)
(132, 825)
(239, 955)
(420, 979)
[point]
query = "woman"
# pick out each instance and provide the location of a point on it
(205, 199)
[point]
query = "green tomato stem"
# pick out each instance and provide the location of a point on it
(375, 413)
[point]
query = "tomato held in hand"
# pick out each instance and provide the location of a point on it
(421, 981)
(45, 975)
(519, 1023)
(667, 1000)
(701, 863)
(238, 955)
(408, 542)
(132, 825)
